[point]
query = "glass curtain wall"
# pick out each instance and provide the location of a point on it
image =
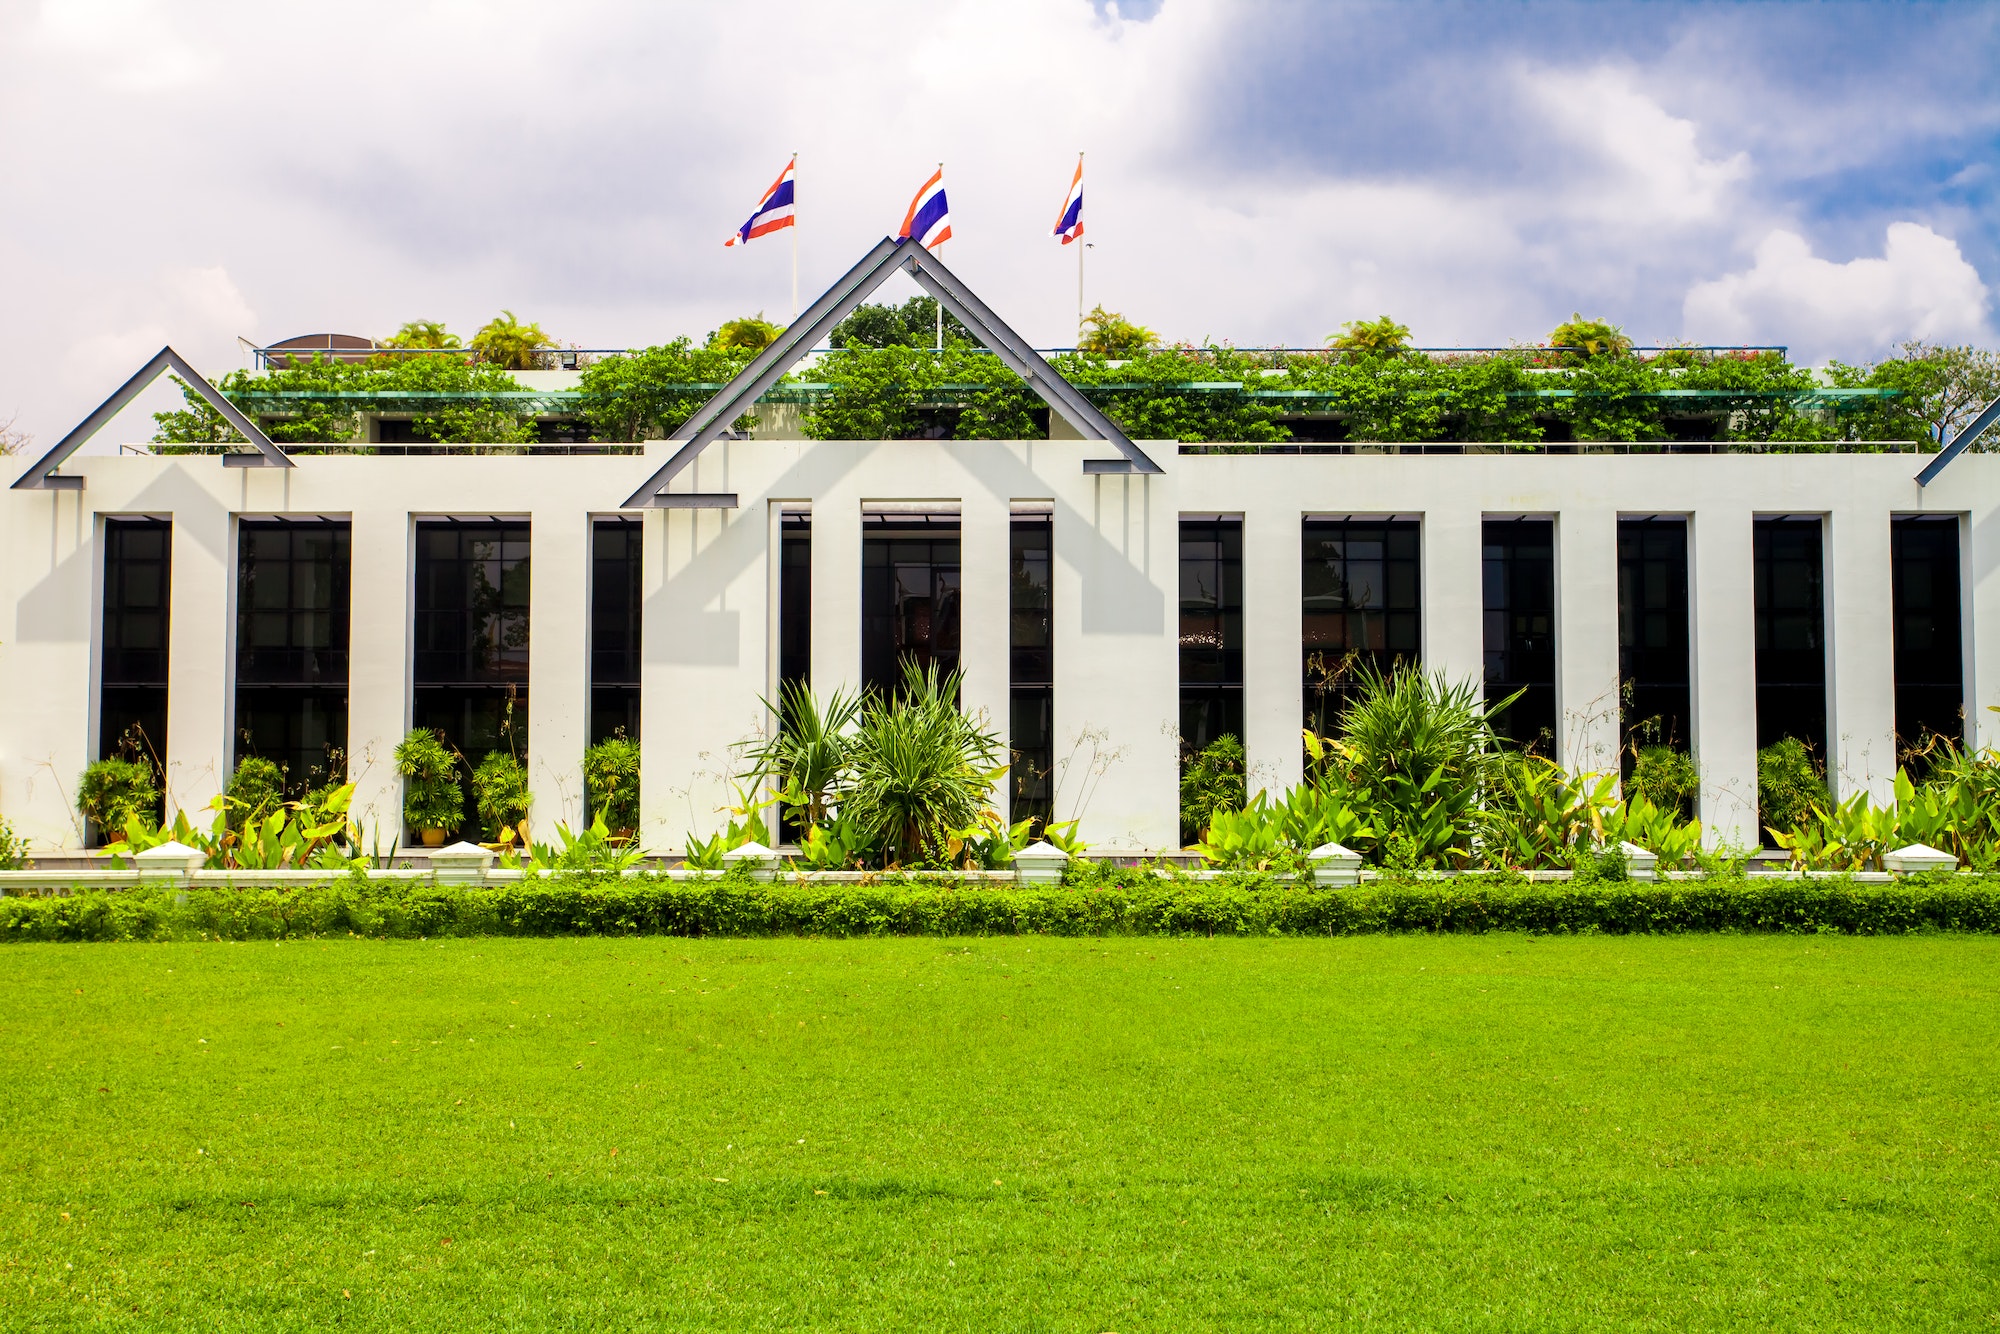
(1031, 730)
(1655, 702)
(1930, 656)
(1362, 605)
(616, 550)
(132, 675)
(471, 636)
(1211, 647)
(909, 595)
(1519, 578)
(292, 620)
(1791, 631)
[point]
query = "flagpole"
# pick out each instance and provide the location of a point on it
(1079, 271)
(940, 304)
(794, 229)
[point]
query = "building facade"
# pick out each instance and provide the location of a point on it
(316, 612)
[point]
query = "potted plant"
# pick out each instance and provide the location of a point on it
(500, 790)
(433, 801)
(611, 784)
(113, 791)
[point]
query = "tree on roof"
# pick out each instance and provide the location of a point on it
(912, 324)
(426, 334)
(1593, 338)
(1107, 333)
(748, 333)
(509, 344)
(1378, 336)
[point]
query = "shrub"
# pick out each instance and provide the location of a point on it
(920, 769)
(611, 782)
(808, 757)
(1212, 780)
(114, 791)
(1789, 785)
(1665, 777)
(500, 792)
(432, 797)
(255, 790)
(13, 848)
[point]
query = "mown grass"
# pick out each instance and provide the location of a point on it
(1401, 1132)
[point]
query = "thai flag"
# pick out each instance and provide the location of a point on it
(774, 210)
(1069, 223)
(929, 220)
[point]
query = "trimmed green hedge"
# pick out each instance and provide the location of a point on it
(1130, 904)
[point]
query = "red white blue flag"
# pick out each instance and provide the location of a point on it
(928, 222)
(1069, 223)
(774, 210)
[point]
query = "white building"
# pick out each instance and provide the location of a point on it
(339, 600)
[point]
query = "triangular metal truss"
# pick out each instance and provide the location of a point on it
(712, 419)
(44, 477)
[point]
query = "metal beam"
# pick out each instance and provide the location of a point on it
(1960, 444)
(39, 476)
(1062, 397)
(712, 418)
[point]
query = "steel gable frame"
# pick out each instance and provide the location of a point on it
(41, 475)
(1959, 444)
(708, 422)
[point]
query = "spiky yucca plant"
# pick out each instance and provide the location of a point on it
(918, 769)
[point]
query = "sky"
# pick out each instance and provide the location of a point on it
(197, 173)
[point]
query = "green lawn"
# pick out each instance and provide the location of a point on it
(1494, 1133)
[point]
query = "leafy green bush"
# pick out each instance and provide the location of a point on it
(1952, 811)
(644, 395)
(296, 403)
(255, 790)
(1665, 777)
(291, 837)
(112, 792)
(593, 851)
(500, 794)
(1101, 901)
(1212, 779)
(808, 755)
(611, 782)
(912, 324)
(1789, 785)
(432, 797)
(13, 848)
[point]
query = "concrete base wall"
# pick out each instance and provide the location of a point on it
(710, 641)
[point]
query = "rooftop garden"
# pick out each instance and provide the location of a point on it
(886, 377)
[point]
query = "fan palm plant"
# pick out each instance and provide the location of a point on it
(919, 769)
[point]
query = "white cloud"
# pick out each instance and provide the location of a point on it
(127, 44)
(1652, 171)
(1921, 287)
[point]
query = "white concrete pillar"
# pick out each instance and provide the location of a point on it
(984, 554)
(1453, 598)
(1722, 599)
(1273, 648)
(1979, 603)
(558, 665)
(1861, 658)
(1587, 717)
(201, 637)
(836, 596)
(1116, 577)
(382, 576)
(51, 625)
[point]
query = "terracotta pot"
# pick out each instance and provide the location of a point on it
(433, 838)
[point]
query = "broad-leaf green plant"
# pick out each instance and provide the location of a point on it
(113, 791)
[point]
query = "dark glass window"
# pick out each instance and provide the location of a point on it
(1211, 648)
(1655, 704)
(132, 682)
(795, 588)
(1791, 631)
(1031, 668)
(1519, 592)
(1361, 606)
(1930, 661)
(292, 609)
(909, 595)
(471, 635)
(616, 550)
